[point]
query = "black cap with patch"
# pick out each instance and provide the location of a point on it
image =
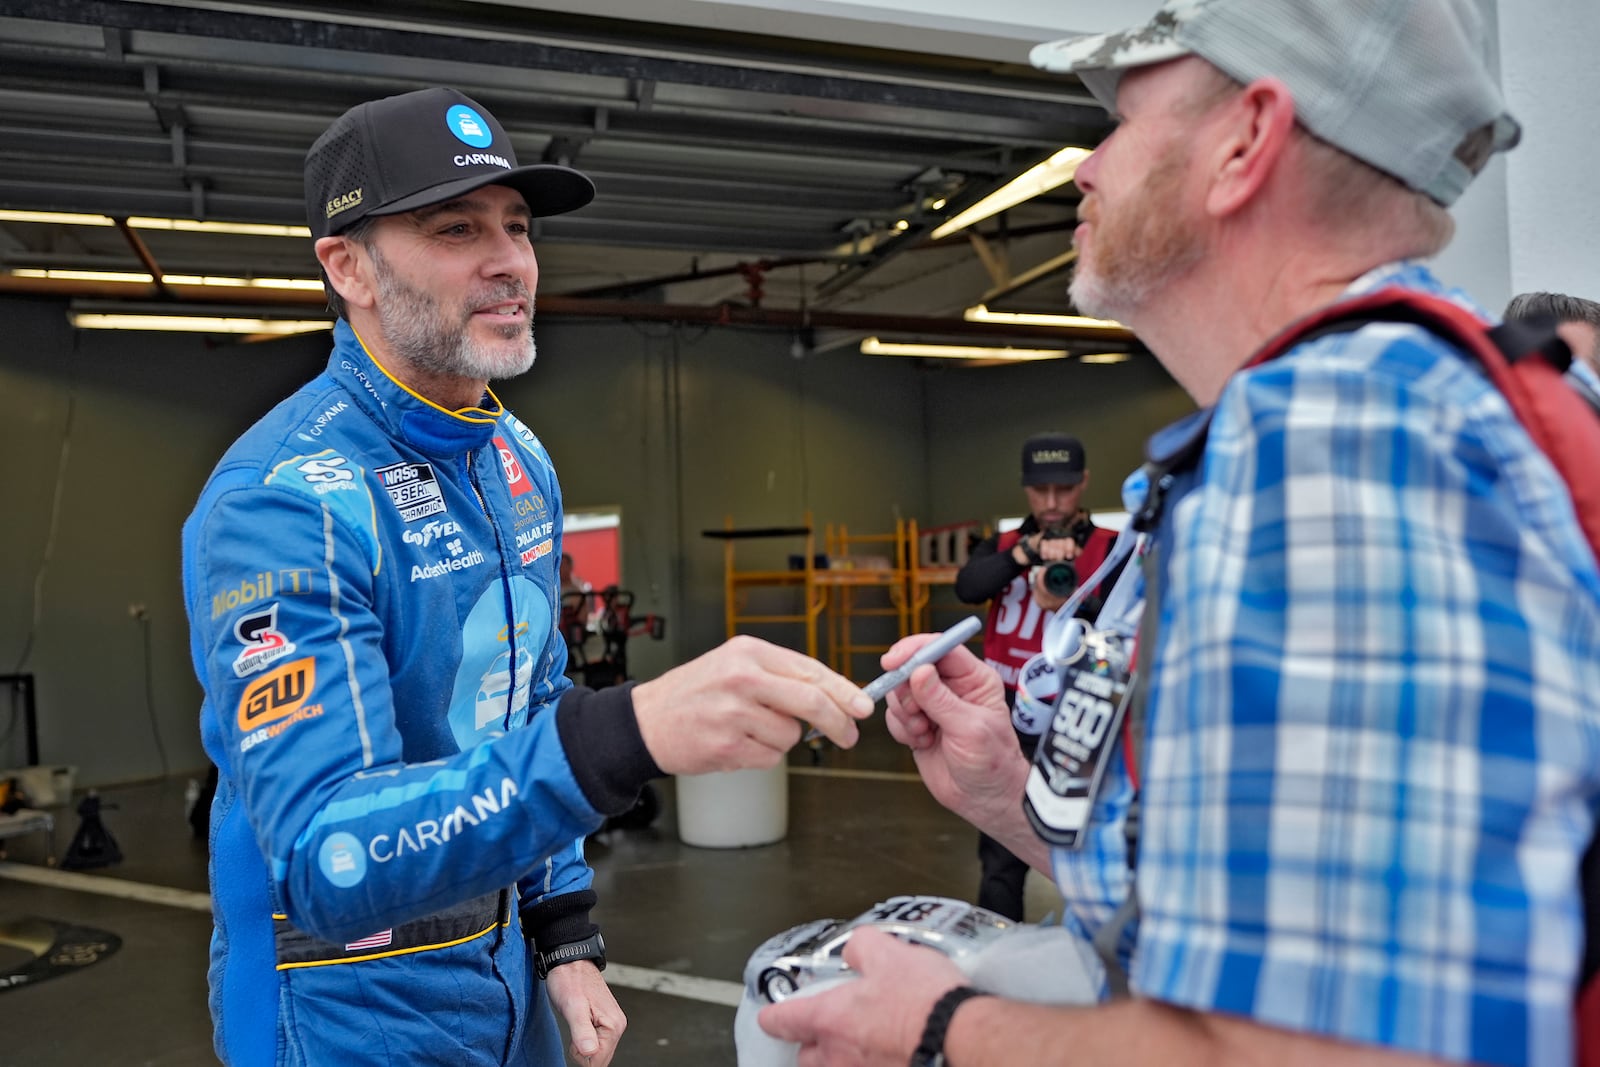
(1053, 459)
(403, 152)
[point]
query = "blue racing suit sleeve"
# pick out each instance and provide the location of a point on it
(356, 838)
(558, 886)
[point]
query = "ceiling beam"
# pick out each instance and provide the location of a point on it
(505, 47)
(1053, 265)
(146, 260)
(212, 76)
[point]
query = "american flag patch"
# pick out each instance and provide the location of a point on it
(381, 939)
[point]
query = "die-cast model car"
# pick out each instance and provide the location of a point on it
(814, 951)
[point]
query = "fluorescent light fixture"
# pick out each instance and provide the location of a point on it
(248, 229)
(307, 284)
(61, 218)
(1104, 357)
(981, 313)
(60, 275)
(1056, 171)
(874, 347)
(138, 278)
(195, 324)
(140, 222)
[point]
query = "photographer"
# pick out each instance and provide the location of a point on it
(1025, 574)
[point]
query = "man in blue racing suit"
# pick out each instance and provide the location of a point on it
(406, 776)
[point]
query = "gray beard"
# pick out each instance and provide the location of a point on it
(1134, 286)
(417, 330)
(1088, 299)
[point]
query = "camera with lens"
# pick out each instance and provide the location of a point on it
(1059, 577)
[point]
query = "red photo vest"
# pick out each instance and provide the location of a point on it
(1015, 629)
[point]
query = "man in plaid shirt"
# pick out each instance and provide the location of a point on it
(1372, 755)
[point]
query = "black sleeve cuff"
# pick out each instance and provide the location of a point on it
(604, 747)
(559, 920)
(986, 574)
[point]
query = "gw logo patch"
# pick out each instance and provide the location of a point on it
(277, 694)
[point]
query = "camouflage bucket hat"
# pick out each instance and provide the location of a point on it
(1402, 85)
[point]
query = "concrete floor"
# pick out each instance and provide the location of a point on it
(860, 829)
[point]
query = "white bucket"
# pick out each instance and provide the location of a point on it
(733, 809)
(45, 786)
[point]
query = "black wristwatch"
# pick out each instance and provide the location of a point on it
(592, 947)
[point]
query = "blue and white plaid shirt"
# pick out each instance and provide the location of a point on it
(1373, 755)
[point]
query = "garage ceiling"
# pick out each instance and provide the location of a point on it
(733, 170)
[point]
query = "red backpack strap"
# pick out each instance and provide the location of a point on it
(1527, 368)
(1589, 1026)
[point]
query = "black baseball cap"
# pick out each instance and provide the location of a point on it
(1053, 459)
(403, 152)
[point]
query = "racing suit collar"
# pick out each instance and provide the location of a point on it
(419, 422)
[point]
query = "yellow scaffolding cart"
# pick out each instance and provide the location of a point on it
(737, 585)
(890, 575)
(865, 578)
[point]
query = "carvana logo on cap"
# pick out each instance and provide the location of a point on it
(468, 126)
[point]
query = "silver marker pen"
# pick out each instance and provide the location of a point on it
(932, 652)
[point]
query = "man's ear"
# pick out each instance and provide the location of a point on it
(1252, 132)
(349, 270)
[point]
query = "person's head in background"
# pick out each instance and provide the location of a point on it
(1055, 472)
(1577, 320)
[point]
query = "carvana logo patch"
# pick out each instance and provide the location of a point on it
(468, 126)
(342, 860)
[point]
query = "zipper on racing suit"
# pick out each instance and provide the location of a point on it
(514, 1034)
